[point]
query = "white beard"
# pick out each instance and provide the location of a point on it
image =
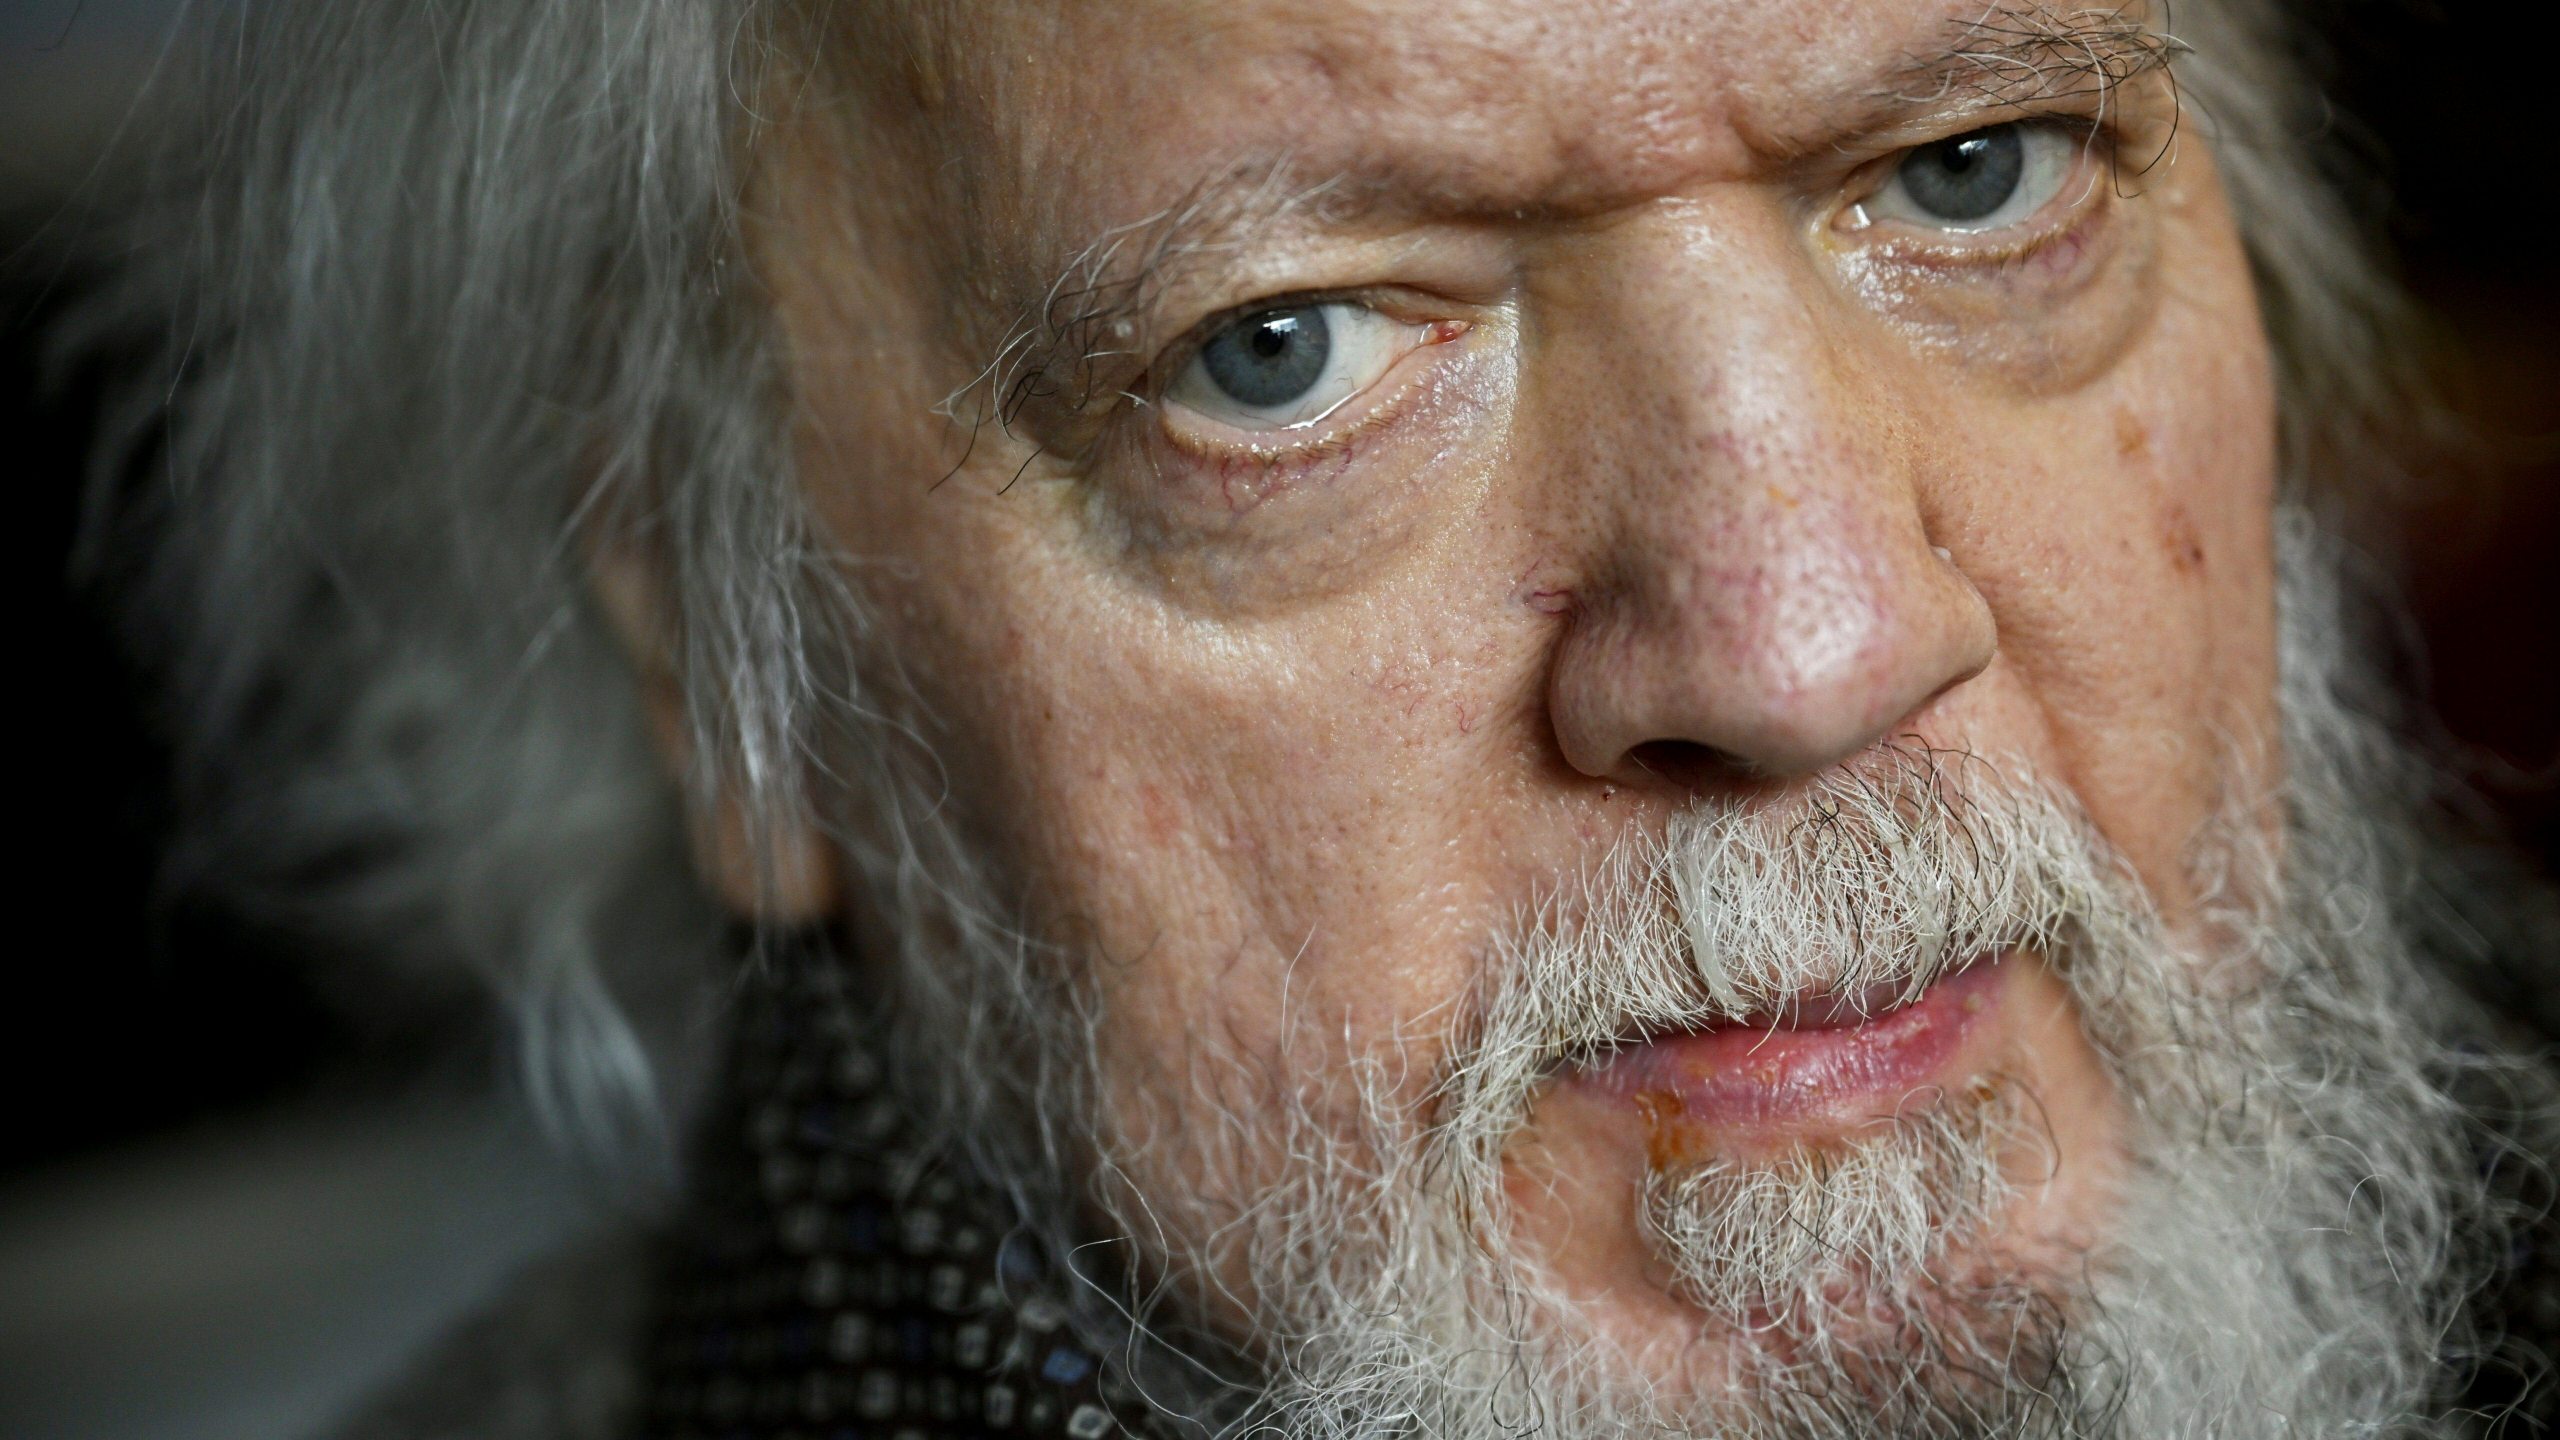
(2302, 1218)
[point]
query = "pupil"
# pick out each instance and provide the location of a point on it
(1270, 359)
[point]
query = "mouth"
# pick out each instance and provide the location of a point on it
(1835, 1058)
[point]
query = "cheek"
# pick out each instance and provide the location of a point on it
(2215, 527)
(2193, 427)
(2143, 615)
(1246, 829)
(2202, 411)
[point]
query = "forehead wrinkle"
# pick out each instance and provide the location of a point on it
(1074, 314)
(1497, 150)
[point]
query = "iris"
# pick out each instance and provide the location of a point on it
(1968, 176)
(1271, 358)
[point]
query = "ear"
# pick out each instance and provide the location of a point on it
(780, 872)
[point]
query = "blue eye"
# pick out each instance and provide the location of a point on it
(1983, 180)
(1967, 177)
(1269, 360)
(1290, 365)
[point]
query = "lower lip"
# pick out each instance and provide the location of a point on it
(1759, 1075)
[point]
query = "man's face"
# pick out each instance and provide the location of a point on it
(1335, 473)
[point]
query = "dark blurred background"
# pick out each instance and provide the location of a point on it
(139, 1033)
(228, 1205)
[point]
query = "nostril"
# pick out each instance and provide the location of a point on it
(1686, 764)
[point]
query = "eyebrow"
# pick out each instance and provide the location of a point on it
(1066, 345)
(1091, 312)
(2014, 54)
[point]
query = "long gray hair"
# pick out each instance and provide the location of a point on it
(435, 288)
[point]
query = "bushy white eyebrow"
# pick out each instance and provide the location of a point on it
(1059, 347)
(2015, 54)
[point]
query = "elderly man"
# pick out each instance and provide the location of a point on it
(1472, 719)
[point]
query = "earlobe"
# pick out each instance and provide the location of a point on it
(776, 870)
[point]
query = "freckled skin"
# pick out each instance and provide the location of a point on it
(1705, 479)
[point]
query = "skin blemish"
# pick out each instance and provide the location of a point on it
(1163, 820)
(2183, 541)
(2133, 438)
(1541, 594)
(1670, 1141)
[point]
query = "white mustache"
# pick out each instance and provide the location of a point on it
(1885, 876)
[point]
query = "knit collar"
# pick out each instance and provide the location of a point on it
(837, 1274)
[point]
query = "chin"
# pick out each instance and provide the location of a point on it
(1858, 1186)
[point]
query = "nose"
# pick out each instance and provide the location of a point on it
(1764, 593)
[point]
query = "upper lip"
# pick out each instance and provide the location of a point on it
(1831, 1009)
(1823, 1008)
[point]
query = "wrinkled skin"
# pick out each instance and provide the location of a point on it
(1692, 485)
